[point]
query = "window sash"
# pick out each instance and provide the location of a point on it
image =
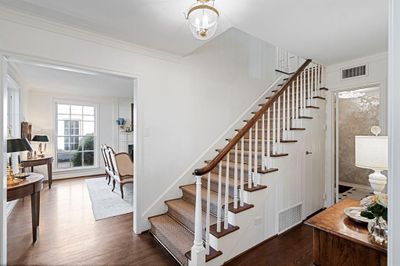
(73, 137)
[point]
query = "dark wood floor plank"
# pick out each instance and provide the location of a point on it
(293, 247)
(69, 235)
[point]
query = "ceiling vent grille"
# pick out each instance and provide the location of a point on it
(289, 218)
(353, 72)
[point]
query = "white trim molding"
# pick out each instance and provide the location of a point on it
(3, 161)
(394, 133)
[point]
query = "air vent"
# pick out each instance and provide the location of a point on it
(289, 218)
(353, 72)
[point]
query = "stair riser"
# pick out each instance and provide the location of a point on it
(214, 185)
(183, 220)
(192, 199)
(231, 171)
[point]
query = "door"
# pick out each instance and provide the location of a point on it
(314, 163)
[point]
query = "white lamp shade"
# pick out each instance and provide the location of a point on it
(372, 152)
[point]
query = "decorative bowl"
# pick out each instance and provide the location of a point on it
(354, 213)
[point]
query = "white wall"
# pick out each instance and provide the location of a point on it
(124, 111)
(377, 75)
(40, 113)
(182, 104)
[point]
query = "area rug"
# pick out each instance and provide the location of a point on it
(105, 203)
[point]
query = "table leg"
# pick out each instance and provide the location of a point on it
(35, 208)
(50, 173)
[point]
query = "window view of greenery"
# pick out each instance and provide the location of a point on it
(75, 135)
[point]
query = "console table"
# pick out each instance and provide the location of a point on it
(337, 240)
(40, 161)
(31, 186)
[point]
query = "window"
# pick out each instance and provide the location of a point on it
(76, 135)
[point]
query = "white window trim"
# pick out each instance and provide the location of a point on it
(96, 164)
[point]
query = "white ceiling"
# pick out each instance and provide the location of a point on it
(55, 79)
(328, 31)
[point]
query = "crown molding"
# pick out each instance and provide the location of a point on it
(37, 22)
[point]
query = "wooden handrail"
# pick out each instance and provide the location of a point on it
(235, 140)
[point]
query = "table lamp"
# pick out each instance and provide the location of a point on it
(15, 145)
(41, 139)
(372, 153)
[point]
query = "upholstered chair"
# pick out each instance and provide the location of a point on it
(122, 167)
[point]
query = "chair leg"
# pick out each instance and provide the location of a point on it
(109, 180)
(113, 186)
(122, 190)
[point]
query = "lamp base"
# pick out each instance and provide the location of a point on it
(378, 181)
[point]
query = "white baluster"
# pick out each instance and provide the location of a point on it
(304, 92)
(309, 87)
(284, 117)
(249, 183)
(198, 251)
(288, 134)
(301, 94)
(312, 85)
(269, 138)
(219, 197)
(278, 129)
(297, 100)
(226, 192)
(235, 180)
(263, 142)
(255, 169)
(274, 128)
(208, 214)
(293, 109)
(242, 172)
(318, 81)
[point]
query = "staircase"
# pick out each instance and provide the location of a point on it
(208, 224)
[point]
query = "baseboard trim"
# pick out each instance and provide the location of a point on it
(250, 249)
(74, 177)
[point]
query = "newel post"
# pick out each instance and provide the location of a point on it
(198, 252)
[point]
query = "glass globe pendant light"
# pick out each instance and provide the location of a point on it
(203, 19)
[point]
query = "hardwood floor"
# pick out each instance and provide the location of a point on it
(69, 235)
(293, 247)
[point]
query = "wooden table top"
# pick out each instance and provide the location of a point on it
(334, 221)
(37, 159)
(32, 178)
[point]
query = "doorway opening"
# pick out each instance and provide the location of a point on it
(67, 114)
(356, 111)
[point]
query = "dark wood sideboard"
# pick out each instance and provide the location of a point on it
(337, 240)
(31, 186)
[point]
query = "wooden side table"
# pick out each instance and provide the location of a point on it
(337, 240)
(32, 186)
(40, 161)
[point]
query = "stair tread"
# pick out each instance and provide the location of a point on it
(172, 235)
(187, 210)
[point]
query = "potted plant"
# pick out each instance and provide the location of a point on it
(376, 210)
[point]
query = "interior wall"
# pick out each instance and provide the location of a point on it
(40, 113)
(183, 105)
(377, 75)
(356, 117)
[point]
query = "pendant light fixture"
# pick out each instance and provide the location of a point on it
(203, 19)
